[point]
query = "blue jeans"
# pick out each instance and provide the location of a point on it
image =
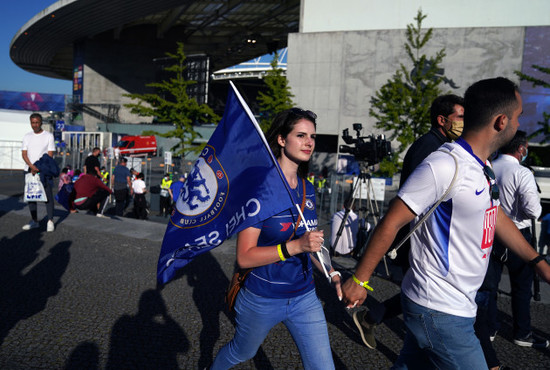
(438, 340)
(255, 316)
(521, 282)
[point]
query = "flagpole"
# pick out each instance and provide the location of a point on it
(259, 130)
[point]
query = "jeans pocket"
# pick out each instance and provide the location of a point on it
(416, 323)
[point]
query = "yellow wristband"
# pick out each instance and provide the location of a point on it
(364, 284)
(280, 251)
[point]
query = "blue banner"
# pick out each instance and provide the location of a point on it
(235, 183)
(32, 101)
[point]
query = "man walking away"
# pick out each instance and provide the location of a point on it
(122, 184)
(521, 202)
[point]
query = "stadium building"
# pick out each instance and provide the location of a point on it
(339, 53)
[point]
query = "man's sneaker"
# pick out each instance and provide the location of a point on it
(31, 225)
(531, 340)
(366, 329)
(493, 335)
(100, 215)
(50, 227)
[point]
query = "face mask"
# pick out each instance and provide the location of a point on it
(455, 130)
(523, 158)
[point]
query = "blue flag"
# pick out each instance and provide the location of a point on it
(235, 183)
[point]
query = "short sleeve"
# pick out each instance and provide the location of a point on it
(428, 182)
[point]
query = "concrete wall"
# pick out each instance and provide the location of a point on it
(113, 69)
(335, 74)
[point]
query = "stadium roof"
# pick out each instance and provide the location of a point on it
(256, 67)
(229, 31)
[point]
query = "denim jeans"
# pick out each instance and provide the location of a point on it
(438, 340)
(521, 282)
(481, 326)
(33, 207)
(255, 316)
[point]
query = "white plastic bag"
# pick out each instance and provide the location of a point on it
(34, 190)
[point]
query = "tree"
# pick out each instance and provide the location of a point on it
(172, 104)
(278, 96)
(402, 105)
(545, 127)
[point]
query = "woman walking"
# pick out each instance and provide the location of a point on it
(280, 287)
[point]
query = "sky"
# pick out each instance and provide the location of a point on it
(15, 13)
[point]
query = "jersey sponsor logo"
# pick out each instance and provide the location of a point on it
(201, 199)
(479, 191)
(285, 226)
(489, 225)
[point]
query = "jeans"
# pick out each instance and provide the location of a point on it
(33, 208)
(521, 282)
(435, 339)
(121, 198)
(481, 326)
(255, 316)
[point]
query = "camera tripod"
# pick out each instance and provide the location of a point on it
(370, 210)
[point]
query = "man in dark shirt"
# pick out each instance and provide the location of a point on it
(92, 165)
(122, 183)
(447, 115)
(447, 118)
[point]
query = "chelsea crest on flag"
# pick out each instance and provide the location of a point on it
(235, 183)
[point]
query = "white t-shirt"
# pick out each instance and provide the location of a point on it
(450, 251)
(518, 191)
(37, 145)
(138, 186)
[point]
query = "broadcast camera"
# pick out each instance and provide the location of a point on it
(368, 149)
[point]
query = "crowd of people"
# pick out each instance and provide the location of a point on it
(465, 176)
(88, 188)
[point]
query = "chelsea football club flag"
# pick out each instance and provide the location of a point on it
(235, 183)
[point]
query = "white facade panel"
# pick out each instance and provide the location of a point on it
(358, 15)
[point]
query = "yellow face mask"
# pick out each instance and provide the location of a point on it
(455, 130)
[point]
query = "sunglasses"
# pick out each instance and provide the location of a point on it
(493, 187)
(304, 113)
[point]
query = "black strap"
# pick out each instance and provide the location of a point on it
(535, 260)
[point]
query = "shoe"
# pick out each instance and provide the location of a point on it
(50, 227)
(531, 340)
(31, 225)
(100, 215)
(366, 329)
(493, 335)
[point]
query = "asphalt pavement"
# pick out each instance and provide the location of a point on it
(85, 297)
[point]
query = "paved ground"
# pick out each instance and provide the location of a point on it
(84, 297)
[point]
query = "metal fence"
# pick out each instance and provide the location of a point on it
(10, 155)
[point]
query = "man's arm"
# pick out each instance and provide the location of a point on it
(398, 215)
(509, 235)
(529, 198)
(32, 167)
